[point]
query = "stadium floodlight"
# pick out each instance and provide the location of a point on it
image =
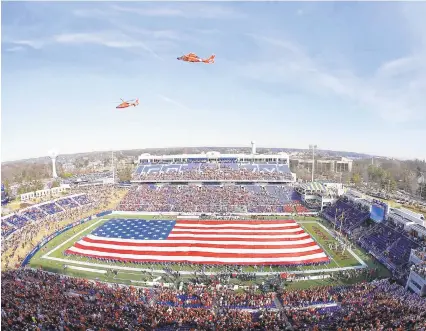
(342, 219)
(421, 182)
(112, 166)
(313, 147)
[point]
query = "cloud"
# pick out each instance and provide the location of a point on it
(174, 102)
(193, 10)
(146, 33)
(169, 40)
(36, 44)
(109, 39)
(394, 91)
(15, 49)
(91, 13)
(104, 38)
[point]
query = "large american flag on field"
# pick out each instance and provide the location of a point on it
(251, 242)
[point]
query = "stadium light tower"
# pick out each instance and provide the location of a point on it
(421, 182)
(112, 166)
(342, 219)
(313, 147)
(53, 155)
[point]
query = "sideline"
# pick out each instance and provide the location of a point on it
(364, 265)
(99, 271)
(187, 272)
(71, 238)
(327, 251)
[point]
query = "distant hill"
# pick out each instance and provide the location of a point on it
(179, 150)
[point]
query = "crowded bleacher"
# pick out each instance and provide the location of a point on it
(379, 305)
(346, 215)
(51, 208)
(36, 299)
(6, 229)
(248, 198)
(82, 199)
(387, 240)
(15, 220)
(212, 171)
(37, 213)
(67, 203)
(33, 213)
(19, 231)
(387, 243)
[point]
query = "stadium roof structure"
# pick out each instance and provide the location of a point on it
(409, 212)
(313, 187)
(418, 228)
(213, 155)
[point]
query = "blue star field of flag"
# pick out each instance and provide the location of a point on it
(135, 229)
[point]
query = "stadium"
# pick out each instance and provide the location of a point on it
(234, 234)
(119, 229)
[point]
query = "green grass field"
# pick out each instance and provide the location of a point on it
(134, 275)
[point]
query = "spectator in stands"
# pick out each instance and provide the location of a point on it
(204, 199)
(34, 299)
(213, 171)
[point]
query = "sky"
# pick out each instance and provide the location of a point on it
(344, 76)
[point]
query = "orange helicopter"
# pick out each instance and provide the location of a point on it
(192, 57)
(126, 104)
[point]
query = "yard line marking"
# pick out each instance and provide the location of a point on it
(348, 249)
(87, 269)
(76, 235)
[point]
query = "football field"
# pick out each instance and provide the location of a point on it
(52, 258)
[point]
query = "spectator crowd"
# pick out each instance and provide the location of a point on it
(387, 240)
(33, 299)
(378, 305)
(213, 171)
(45, 211)
(209, 198)
(93, 198)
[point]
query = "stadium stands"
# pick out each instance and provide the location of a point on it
(51, 208)
(6, 228)
(36, 213)
(355, 306)
(67, 203)
(16, 220)
(212, 171)
(4, 195)
(346, 212)
(387, 241)
(247, 198)
(195, 298)
(80, 304)
(391, 246)
(82, 199)
(300, 208)
(248, 300)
